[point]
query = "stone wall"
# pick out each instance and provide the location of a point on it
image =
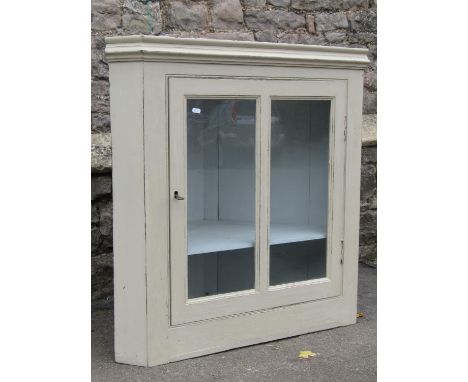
(368, 224)
(350, 23)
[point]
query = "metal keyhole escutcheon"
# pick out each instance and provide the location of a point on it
(177, 196)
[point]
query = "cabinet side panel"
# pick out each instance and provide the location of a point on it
(157, 212)
(126, 90)
(352, 202)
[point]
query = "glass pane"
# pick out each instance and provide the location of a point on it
(299, 190)
(221, 195)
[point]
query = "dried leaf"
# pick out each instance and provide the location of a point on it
(359, 314)
(306, 354)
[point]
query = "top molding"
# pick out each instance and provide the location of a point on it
(170, 49)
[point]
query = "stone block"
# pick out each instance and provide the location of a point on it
(95, 239)
(363, 38)
(373, 202)
(103, 22)
(227, 15)
(368, 226)
(273, 19)
(133, 23)
(355, 4)
(370, 80)
(141, 17)
(100, 261)
(301, 38)
(102, 277)
(368, 254)
(266, 36)
(99, 68)
(110, 7)
(101, 153)
(136, 6)
(370, 102)
(182, 34)
(372, 53)
(310, 22)
(369, 155)
(235, 36)
(187, 16)
(94, 214)
(157, 18)
(101, 186)
(336, 37)
(369, 129)
(100, 105)
(105, 219)
(280, 3)
(100, 88)
(106, 244)
(330, 21)
(254, 3)
(365, 20)
(368, 181)
(315, 5)
(100, 123)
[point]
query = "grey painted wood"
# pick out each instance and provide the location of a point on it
(154, 322)
(129, 213)
(169, 49)
(215, 306)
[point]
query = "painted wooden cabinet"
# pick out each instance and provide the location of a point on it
(236, 170)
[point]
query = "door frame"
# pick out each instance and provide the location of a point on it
(263, 90)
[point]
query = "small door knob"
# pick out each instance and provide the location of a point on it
(177, 196)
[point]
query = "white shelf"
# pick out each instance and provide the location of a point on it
(214, 236)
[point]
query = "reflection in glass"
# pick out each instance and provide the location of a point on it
(299, 189)
(221, 195)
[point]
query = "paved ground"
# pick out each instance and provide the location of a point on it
(345, 354)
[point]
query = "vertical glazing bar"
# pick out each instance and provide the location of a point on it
(258, 193)
(264, 190)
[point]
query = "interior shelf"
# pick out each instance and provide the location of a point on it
(205, 236)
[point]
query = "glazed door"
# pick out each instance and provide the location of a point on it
(257, 194)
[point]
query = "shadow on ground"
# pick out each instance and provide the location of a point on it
(345, 354)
